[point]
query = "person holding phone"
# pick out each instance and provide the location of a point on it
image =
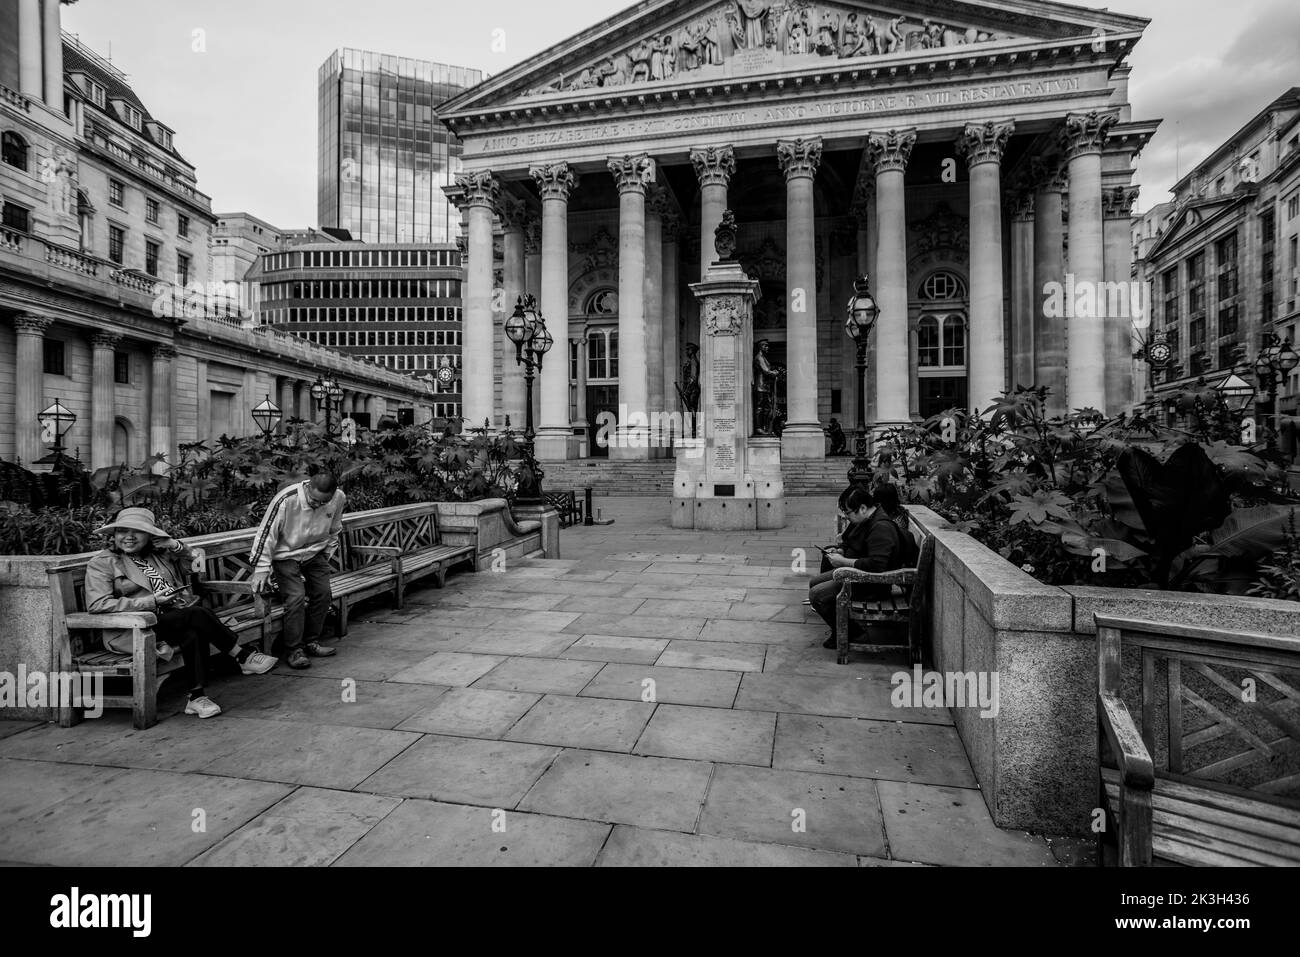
(143, 570)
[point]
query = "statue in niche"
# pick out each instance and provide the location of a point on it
(688, 390)
(749, 20)
(656, 60)
(853, 38)
(670, 56)
(796, 40)
(827, 34)
(765, 376)
(641, 65)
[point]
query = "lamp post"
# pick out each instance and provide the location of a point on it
(527, 330)
(862, 315)
(328, 393)
(267, 416)
(56, 421)
(1275, 361)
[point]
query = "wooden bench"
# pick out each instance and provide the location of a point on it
(907, 603)
(1190, 810)
(567, 505)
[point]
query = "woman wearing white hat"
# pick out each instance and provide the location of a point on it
(139, 571)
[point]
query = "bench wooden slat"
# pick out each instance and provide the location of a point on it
(1260, 818)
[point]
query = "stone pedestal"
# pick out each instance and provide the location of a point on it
(725, 479)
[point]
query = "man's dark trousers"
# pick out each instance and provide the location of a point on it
(305, 588)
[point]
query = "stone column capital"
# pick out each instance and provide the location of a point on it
(799, 157)
(714, 165)
(984, 142)
(672, 226)
(891, 149)
(1117, 202)
(105, 340)
(1048, 175)
(513, 212)
(30, 324)
(657, 202)
(632, 173)
(1085, 133)
(478, 189)
(164, 352)
(554, 180)
(532, 236)
(1022, 206)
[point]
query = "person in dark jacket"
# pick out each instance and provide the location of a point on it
(870, 543)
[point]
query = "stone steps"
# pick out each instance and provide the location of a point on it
(655, 477)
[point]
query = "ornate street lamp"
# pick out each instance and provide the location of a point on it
(327, 393)
(267, 416)
(527, 330)
(862, 315)
(56, 421)
(1274, 363)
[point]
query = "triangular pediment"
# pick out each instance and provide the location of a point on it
(657, 45)
(1195, 216)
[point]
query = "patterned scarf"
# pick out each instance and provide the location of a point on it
(162, 588)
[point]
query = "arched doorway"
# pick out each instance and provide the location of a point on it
(122, 434)
(600, 313)
(941, 331)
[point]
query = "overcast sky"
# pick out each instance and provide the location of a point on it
(244, 108)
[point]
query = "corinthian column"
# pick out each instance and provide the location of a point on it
(512, 213)
(480, 194)
(160, 404)
(1022, 289)
(803, 437)
(29, 373)
(672, 227)
(632, 174)
(889, 152)
(1117, 227)
(1049, 269)
(555, 182)
(983, 144)
(1082, 139)
(714, 167)
(102, 346)
(656, 207)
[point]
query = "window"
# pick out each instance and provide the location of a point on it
(1225, 255)
(151, 210)
(98, 96)
(1169, 287)
(943, 285)
(122, 368)
(151, 257)
(927, 339)
(13, 149)
(597, 355)
(182, 269)
(133, 117)
(54, 356)
(164, 138)
(1196, 332)
(116, 242)
(1293, 207)
(1267, 225)
(16, 217)
(116, 193)
(182, 226)
(954, 342)
(1196, 286)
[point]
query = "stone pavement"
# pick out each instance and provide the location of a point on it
(655, 697)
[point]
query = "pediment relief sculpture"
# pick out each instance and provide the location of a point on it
(942, 229)
(746, 36)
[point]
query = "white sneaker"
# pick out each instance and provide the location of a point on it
(204, 707)
(257, 664)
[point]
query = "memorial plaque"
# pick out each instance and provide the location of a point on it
(722, 451)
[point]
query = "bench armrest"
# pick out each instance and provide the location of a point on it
(901, 576)
(1130, 752)
(112, 619)
(229, 588)
(385, 550)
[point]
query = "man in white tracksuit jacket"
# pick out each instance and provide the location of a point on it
(295, 542)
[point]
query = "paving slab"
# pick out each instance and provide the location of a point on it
(636, 626)
(752, 611)
(722, 655)
(766, 632)
(345, 701)
(687, 591)
(515, 642)
(705, 687)
(317, 755)
(429, 834)
(622, 789)
(472, 712)
(137, 819)
(28, 787)
(309, 828)
(641, 847)
(924, 753)
(598, 724)
(475, 598)
(451, 668)
(952, 826)
(462, 771)
(813, 659)
(540, 675)
(821, 811)
(365, 660)
(614, 648)
(864, 694)
(598, 603)
(710, 734)
(9, 726)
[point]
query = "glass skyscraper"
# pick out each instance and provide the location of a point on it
(383, 154)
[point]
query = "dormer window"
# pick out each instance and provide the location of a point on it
(98, 95)
(133, 117)
(164, 138)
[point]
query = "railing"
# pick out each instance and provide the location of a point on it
(15, 99)
(71, 259)
(11, 239)
(123, 278)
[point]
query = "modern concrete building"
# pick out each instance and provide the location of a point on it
(104, 233)
(937, 151)
(384, 156)
(1223, 270)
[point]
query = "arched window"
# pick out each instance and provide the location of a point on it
(603, 302)
(122, 441)
(13, 150)
(927, 341)
(940, 286)
(85, 212)
(954, 342)
(602, 353)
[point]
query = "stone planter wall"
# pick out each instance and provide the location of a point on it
(1036, 760)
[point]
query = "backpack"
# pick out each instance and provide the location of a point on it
(908, 551)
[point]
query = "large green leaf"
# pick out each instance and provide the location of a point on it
(1251, 532)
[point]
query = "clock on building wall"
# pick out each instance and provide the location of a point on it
(1159, 353)
(446, 375)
